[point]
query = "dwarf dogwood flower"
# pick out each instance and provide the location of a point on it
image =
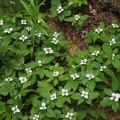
(1, 22)
(56, 73)
(115, 97)
(69, 115)
(43, 106)
(77, 17)
(98, 30)
(38, 21)
(55, 34)
(24, 22)
(53, 96)
(113, 56)
(55, 41)
(23, 79)
(65, 92)
(115, 26)
(40, 63)
(102, 67)
(38, 34)
(84, 94)
(28, 70)
(15, 109)
(74, 76)
(8, 79)
(112, 41)
(28, 28)
(95, 53)
(23, 38)
(36, 117)
(90, 76)
(60, 9)
(8, 30)
(48, 50)
(83, 62)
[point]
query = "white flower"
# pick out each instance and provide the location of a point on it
(55, 41)
(23, 79)
(1, 22)
(77, 17)
(28, 70)
(74, 76)
(53, 96)
(39, 62)
(69, 115)
(115, 26)
(98, 30)
(90, 76)
(43, 106)
(36, 117)
(113, 56)
(55, 73)
(84, 94)
(12, 2)
(28, 28)
(70, 3)
(8, 30)
(9, 79)
(60, 9)
(55, 34)
(15, 109)
(95, 53)
(83, 62)
(112, 41)
(24, 22)
(115, 97)
(38, 21)
(102, 67)
(23, 38)
(48, 50)
(65, 92)
(38, 34)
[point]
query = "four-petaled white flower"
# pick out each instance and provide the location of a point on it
(24, 22)
(56, 73)
(102, 67)
(55, 41)
(43, 106)
(95, 53)
(90, 76)
(23, 79)
(36, 117)
(39, 62)
(53, 96)
(77, 17)
(112, 41)
(84, 94)
(28, 28)
(83, 62)
(60, 9)
(70, 3)
(55, 34)
(115, 97)
(1, 22)
(65, 92)
(48, 50)
(113, 56)
(15, 109)
(9, 79)
(38, 34)
(23, 38)
(115, 26)
(28, 70)
(8, 30)
(74, 76)
(69, 115)
(98, 30)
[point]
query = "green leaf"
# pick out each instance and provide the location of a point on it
(69, 19)
(108, 92)
(116, 63)
(103, 115)
(106, 102)
(84, 17)
(94, 95)
(115, 84)
(50, 113)
(94, 113)
(81, 115)
(47, 73)
(81, 100)
(91, 85)
(75, 96)
(115, 106)
(6, 41)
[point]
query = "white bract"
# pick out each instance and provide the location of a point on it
(112, 41)
(15, 109)
(53, 96)
(56, 73)
(9, 79)
(12, 2)
(65, 92)
(8, 30)
(115, 97)
(43, 106)
(70, 3)
(69, 115)
(38, 21)
(28, 28)
(55, 41)
(74, 76)
(83, 62)
(60, 9)
(113, 56)
(22, 79)
(36, 117)
(55, 34)
(90, 76)
(84, 94)
(48, 50)
(102, 67)
(95, 53)
(38, 34)
(28, 70)
(98, 30)
(115, 26)
(24, 22)
(77, 17)
(1, 22)
(39, 62)
(23, 38)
